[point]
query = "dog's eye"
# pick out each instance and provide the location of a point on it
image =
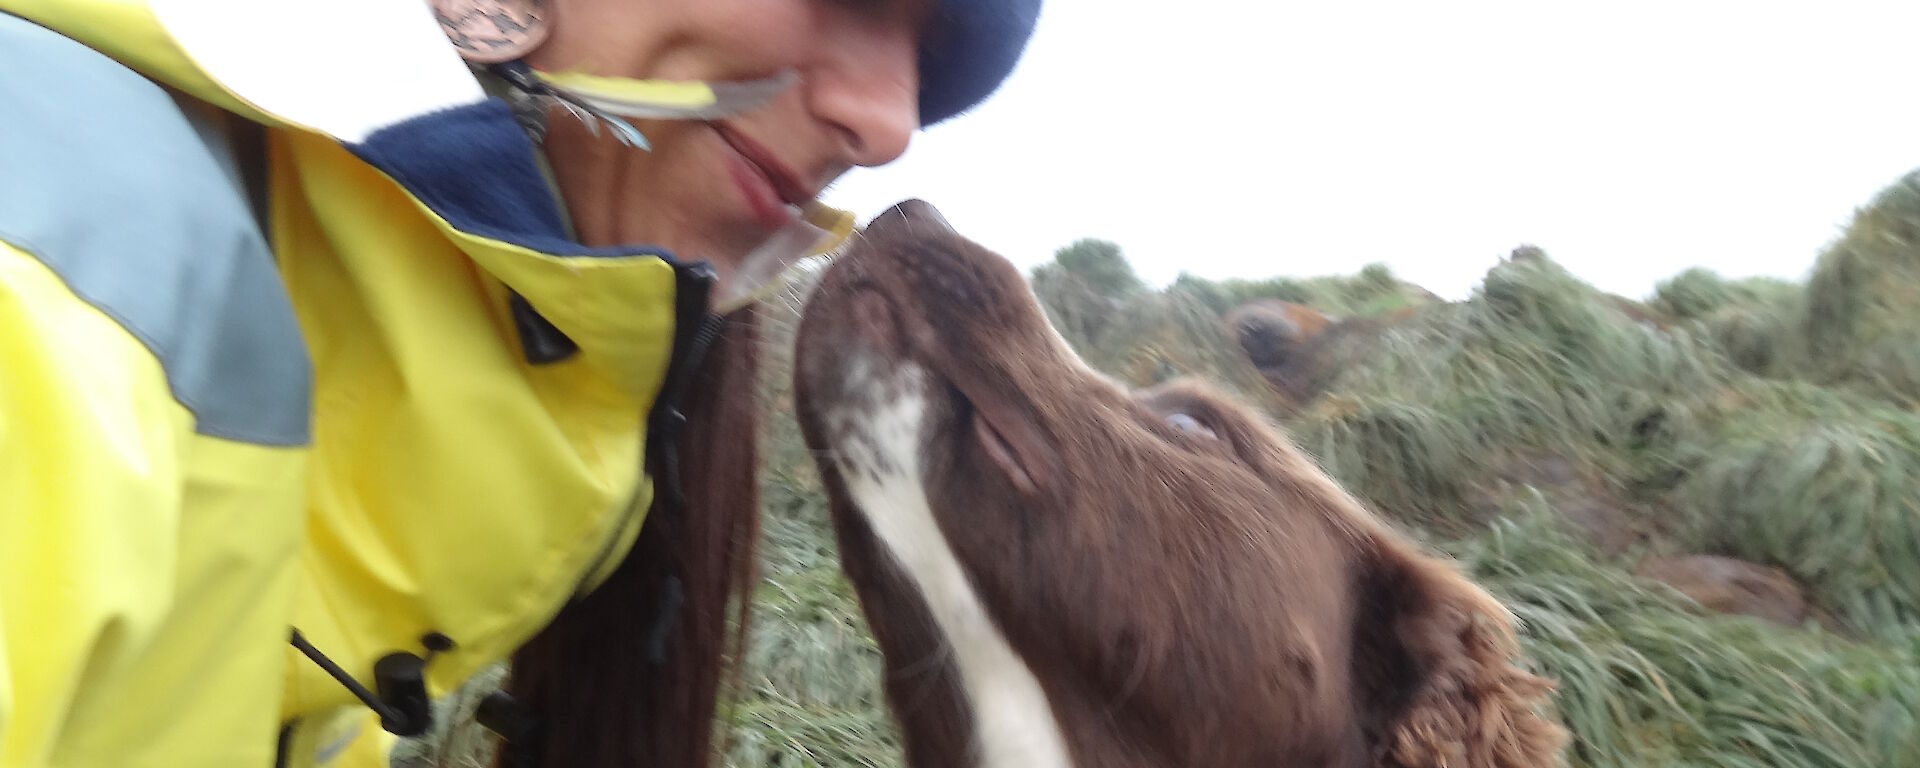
(1189, 425)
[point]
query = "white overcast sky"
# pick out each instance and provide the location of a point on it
(1237, 138)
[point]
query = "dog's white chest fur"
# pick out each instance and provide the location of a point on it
(1014, 725)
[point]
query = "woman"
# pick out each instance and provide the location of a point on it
(420, 337)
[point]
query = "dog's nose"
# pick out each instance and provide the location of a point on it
(909, 216)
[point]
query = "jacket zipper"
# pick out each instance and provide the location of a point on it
(695, 331)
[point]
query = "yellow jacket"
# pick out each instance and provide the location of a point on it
(327, 411)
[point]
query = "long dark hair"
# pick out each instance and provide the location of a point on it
(600, 698)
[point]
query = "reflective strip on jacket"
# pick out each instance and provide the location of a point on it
(205, 442)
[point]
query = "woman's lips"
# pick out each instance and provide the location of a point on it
(769, 189)
(771, 212)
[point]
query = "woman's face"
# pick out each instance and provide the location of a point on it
(714, 190)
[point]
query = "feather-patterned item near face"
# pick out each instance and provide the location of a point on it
(593, 99)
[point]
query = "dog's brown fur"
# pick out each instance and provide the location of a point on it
(1185, 585)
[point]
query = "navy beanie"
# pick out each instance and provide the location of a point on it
(970, 48)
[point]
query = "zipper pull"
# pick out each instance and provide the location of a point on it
(695, 330)
(540, 341)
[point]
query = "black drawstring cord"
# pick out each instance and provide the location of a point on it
(402, 702)
(359, 691)
(282, 745)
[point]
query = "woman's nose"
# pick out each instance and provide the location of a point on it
(868, 91)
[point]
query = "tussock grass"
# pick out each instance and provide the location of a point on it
(1535, 360)
(1824, 484)
(1859, 322)
(1398, 455)
(1698, 293)
(1373, 292)
(1759, 337)
(1753, 321)
(811, 693)
(1645, 680)
(1539, 356)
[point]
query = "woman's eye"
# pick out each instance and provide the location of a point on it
(1189, 425)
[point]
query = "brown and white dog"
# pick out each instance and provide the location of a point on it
(1064, 573)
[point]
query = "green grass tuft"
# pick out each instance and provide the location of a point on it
(1373, 292)
(1698, 293)
(1536, 360)
(1859, 321)
(1646, 680)
(1824, 484)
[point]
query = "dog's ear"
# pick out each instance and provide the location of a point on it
(1436, 660)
